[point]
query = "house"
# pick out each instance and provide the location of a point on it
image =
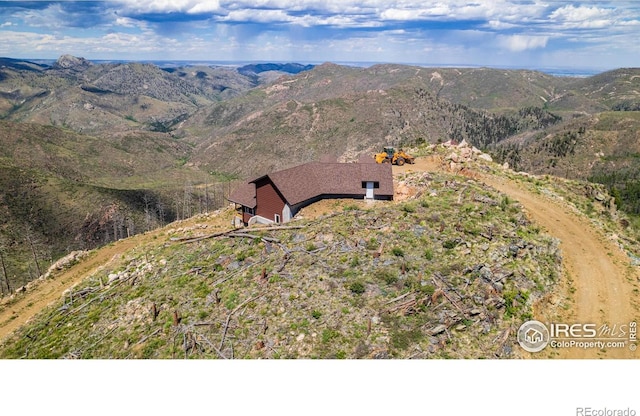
(277, 197)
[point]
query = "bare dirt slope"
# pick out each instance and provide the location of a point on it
(598, 281)
(16, 312)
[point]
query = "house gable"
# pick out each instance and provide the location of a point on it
(269, 201)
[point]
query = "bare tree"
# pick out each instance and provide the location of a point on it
(32, 244)
(118, 224)
(131, 227)
(161, 213)
(4, 274)
(186, 202)
(206, 196)
(147, 211)
(177, 200)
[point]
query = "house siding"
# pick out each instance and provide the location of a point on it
(269, 200)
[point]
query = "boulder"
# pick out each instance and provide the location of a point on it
(466, 153)
(454, 157)
(438, 330)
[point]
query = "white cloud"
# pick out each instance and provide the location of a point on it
(36, 45)
(417, 13)
(500, 25)
(168, 6)
(125, 22)
(629, 23)
(399, 10)
(582, 17)
(571, 13)
(258, 16)
(520, 43)
(8, 24)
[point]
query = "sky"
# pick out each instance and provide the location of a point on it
(500, 33)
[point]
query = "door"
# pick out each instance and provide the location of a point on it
(369, 194)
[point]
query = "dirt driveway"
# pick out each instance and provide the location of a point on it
(600, 286)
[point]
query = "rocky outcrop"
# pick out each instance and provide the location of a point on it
(69, 62)
(461, 154)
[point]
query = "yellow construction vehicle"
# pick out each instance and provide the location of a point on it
(390, 155)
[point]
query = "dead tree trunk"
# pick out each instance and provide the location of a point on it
(4, 274)
(206, 197)
(35, 255)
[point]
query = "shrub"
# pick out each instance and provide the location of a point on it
(505, 202)
(427, 289)
(409, 207)
(372, 244)
(450, 244)
(386, 275)
(428, 254)
(357, 287)
(329, 335)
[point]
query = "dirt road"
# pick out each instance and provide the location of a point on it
(599, 281)
(16, 313)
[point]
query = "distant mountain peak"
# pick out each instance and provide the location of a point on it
(71, 62)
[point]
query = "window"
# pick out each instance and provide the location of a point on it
(376, 185)
(276, 217)
(248, 210)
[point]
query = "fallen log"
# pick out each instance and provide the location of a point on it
(253, 236)
(236, 309)
(399, 298)
(444, 293)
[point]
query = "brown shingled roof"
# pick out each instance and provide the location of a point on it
(307, 181)
(244, 195)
